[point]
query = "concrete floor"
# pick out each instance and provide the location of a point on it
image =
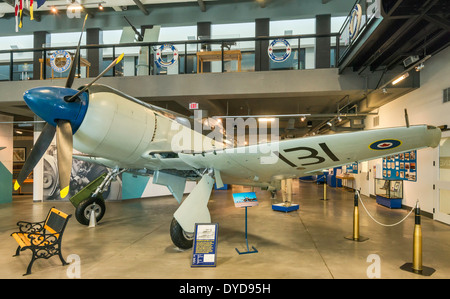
(132, 240)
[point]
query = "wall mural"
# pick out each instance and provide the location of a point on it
(82, 174)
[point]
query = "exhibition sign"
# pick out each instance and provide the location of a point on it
(286, 54)
(402, 166)
(159, 53)
(205, 245)
(246, 199)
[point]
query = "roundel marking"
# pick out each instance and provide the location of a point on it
(159, 51)
(63, 56)
(283, 57)
(385, 144)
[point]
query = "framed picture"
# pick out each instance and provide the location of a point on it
(19, 154)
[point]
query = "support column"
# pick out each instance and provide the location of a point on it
(94, 36)
(323, 48)
(38, 171)
(40, 38)
(204, 32)
(6, 159)
(262, 27)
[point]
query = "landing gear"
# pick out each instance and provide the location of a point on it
(90, 197)
(194, 209)
(85, 208)
(180, 238)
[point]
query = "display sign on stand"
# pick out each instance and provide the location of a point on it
(205, 245)
(245, 200)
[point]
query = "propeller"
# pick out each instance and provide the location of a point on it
(71, 76)
(42, 143)
(60, 107)
(64, 140)
(64, 146)
(116, 61)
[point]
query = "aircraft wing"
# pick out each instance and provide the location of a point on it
(262, 164)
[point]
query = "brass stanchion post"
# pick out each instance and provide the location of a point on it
(356, 236)
(417, 243)
(416, 266)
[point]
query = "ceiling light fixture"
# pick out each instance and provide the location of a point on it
(53, 9)
(419, 67)
(266, 119)
(100, 6)
(401, 78)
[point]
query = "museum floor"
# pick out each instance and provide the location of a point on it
(132, 240)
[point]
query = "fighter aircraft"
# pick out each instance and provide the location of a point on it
(126, 134)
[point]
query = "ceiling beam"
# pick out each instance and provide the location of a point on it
(202, 5)
(438, 21)
(141, 7)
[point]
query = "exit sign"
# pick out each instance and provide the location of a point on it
(193, 105)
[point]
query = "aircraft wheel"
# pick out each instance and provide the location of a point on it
(180, 238)
(85, 208)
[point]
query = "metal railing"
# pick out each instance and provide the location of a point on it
(191, 56)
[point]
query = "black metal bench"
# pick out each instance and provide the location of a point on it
(42, 238)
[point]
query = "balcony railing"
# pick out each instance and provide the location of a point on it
(357, 22)
(170, 58)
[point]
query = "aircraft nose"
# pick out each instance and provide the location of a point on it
(49, 104)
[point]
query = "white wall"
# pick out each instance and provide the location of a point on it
(424, 106)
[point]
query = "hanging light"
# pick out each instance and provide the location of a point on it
(100, 6)
(401, 78)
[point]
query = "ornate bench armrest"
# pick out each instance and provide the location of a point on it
(37, 239)
(30, 227)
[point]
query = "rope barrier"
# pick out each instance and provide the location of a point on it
(394, 224)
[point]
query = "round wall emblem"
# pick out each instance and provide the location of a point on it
(355, 21)
(285, 55)
(60, 61)
(162, 62)
(385, 144)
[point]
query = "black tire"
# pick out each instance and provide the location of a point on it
(180, 238)
(84, 209)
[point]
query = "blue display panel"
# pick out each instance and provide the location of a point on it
(401, 166)
(205, 245)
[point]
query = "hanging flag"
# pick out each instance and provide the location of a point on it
(20, 13)
(16, 14)
(39, 3)
(31, 10)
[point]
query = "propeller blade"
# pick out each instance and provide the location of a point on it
(42, 144)
(64, 145)
(71, 76)
(116, 61)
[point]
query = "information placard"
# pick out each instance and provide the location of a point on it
(205, 245)
(245, 199)
(401, 166)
